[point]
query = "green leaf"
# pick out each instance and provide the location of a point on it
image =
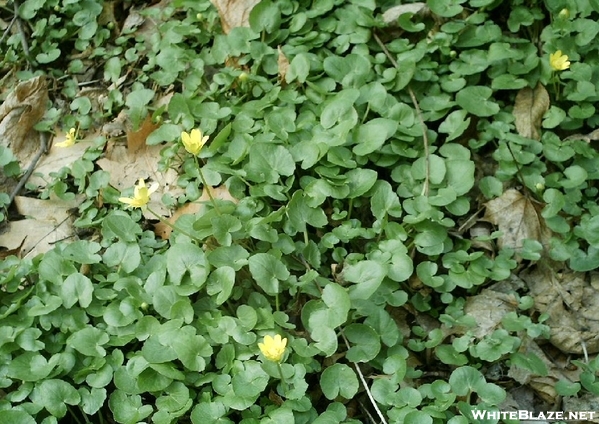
(299, 69)
(223, 227)
(128, 409)
(339, 380)
(366, 343)
(76, 288)
(83, 252)
(89, 341)
(251, 381)
(340, 108)
(268, 162)
(186, 258)
(465, 380)
(337, 300)
(368, 276)
(29, 366)
(455, 124)
(384, 201)
(268, 272)
(220, 138)
(301, 214)
(426, 271)
(475, 99)
(372, 135)
(16, 416)
(265, 16)
(126, 256)
(210, 413)
(137, 101)
(54, 395)
(49, 56)
(446, 8)
(120, 225)
(221, 282)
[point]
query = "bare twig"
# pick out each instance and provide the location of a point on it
(43, 149)
(418, 113)
(365, 384)
(7, 30)
(20, 28)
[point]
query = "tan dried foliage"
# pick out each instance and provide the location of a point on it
(164, 231)
(21, 110)
(518, 218)
(531, 105)
(127, 164)
(283, 63)
(48, 222)
(234, 13)
(572, 304)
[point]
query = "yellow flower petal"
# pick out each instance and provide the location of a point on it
(70, 139)
(194, 141)
(559, 61)
(141, 195)
(273, 348)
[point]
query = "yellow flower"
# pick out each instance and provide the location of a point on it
(559, 61)
(273, 348)
(141, 195)
(69, 141)
(194, 142)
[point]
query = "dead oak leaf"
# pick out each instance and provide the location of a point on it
(518, 219)
(234, 13)
(529, 108)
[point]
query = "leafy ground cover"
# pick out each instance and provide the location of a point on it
(293, 211)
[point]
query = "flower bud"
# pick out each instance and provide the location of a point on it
(564, 14)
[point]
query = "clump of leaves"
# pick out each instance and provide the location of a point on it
(357, 155)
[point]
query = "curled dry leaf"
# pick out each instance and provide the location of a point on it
(283, 63)
(584, 402)
(395, 12)
(488, 309)
(234, 13)
(21, 110)
(572, 305)
(529, 109)
(544, 386)
(517, 218)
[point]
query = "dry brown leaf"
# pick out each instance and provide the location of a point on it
(234, 13)
(48, 221)
(529, 109)
(572, 304)
(126, 165)
(21, 110)
(393, 13)
(517, 218)
(283, 63)
(57, 158)
(488, 309)
(544, 386)
(583, 402)
(164, 230)
(136, 140)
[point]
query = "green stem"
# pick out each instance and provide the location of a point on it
(277, 302)
(283, 381)
(207, 187)
(172, 226)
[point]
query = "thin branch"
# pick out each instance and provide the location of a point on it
(7, 30)
(418, 113)
(365, 384)
(43, 149)
(20, 28)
